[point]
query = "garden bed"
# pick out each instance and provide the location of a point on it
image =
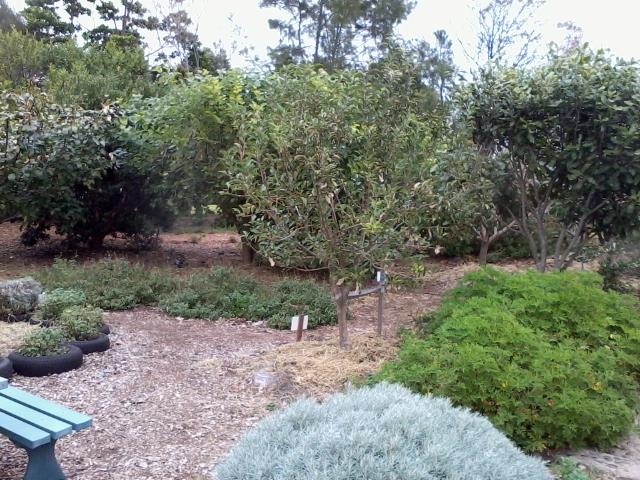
(207, 399)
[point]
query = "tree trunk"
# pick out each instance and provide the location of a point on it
(248, 253)
(484, 252)
(342, 298)
(96, 241)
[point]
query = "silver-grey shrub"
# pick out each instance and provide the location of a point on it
(379, 433)
(19, 296)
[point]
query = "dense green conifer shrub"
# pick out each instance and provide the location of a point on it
(552, 359)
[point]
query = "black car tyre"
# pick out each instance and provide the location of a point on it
(48, 365)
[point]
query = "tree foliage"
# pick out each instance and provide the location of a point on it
(97, 75)
(321, 167)
(568, 133)
(333, 33)
(210, 107)
(77, 172)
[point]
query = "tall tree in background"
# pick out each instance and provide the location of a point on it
(436, 62)
(334, 33)
(506, 35)
(179, 39)
(9, 19)
(213, 60)
(44, 21)
(126, 20)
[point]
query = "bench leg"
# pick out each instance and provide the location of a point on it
(43, 464)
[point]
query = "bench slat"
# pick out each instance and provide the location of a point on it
(22, 433)
(53, 426)
(77, 420)
(4, 383)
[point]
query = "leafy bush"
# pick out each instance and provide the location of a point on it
(43, 342)
(297, 297)
(218, 293)
(60, 299)
(82, 173)
(119, 285)
(379, 433)
(19, 296)
(551, 359)
(222, 293)
(110, 284)
(81, 323)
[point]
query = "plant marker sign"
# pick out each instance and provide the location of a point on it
(298, 324)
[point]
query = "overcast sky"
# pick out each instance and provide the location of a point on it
(239, 24)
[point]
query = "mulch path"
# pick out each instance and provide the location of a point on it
(172, 396)
(158, 413)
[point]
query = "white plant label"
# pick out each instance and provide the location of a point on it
(296, 319)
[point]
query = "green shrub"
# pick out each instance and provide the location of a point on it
(296, 297)
(223, 293)
(81, 323)
(43, 342)
(379, 433)
(568, 470)
(19, 296)
(110, 284)
(60, 299)
(552, 359)
(218, 293)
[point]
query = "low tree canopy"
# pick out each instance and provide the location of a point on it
(568, 131)
(322, 167)
(78, 172)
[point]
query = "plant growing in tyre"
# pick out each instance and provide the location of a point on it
(81, 326)
(57, 301)
(45, 352)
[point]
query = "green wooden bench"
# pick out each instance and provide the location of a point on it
(36, 424)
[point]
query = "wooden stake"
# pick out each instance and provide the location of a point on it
(299, 329)
(381, 282)
(380, 309)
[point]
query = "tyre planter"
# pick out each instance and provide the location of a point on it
(99, 344)
(43, 366)
(106, 329)
(6, 368)
(42, 323)
(18, 317)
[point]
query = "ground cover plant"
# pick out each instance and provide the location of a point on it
(223, 293)
(220, 292)
(109, 284)
(551, 359)
(379, 433)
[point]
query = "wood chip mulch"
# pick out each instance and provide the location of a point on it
(158, 414)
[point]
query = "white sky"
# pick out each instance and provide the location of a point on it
(239, 24)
